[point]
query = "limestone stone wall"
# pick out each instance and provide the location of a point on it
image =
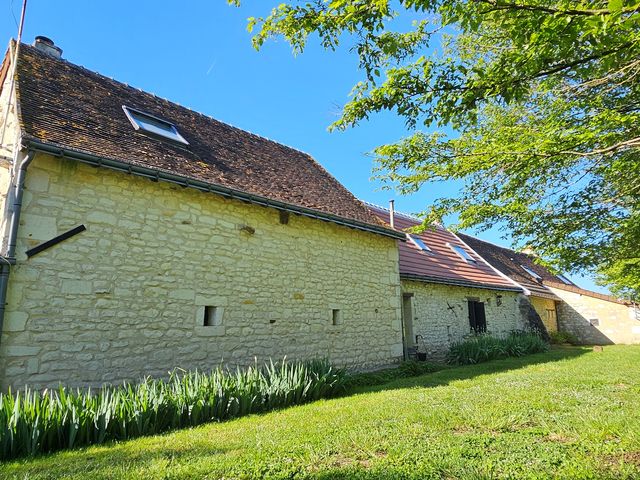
(11, 130)
(7, 146)
(441, 313)
(127, 297)
(546, 308)
(595, 321)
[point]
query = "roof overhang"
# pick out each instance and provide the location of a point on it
(550, 295)
(587, 293)
(457, 283)
(163, 175)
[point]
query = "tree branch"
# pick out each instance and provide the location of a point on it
(498, 5)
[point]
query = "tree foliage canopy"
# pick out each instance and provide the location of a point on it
(544, 97)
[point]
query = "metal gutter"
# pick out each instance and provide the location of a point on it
(457, 283)
(157, 175)
(17, 191)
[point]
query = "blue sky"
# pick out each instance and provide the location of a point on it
(201, 57)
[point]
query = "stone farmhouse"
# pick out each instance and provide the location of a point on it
(138, 236)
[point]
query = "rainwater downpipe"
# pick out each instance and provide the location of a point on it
(16, 192)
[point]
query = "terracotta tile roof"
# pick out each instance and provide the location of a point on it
(68, 106)
(442, 264)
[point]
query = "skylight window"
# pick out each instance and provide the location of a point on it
(463, 253)
(418, 242)
(531, 272)
(564, 279)
(153, 125)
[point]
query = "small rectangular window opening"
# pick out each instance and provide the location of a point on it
(336, 317)
(463, 253)
(212, 317)
(153, 125)
(418, 242)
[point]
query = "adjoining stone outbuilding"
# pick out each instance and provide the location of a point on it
(449, 292)
(143, 236)
(591, 317)
(594, 318)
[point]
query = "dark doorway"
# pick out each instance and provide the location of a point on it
(477, 318)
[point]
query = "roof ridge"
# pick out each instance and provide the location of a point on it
(493, 243)
(125, 84)
(402, 214)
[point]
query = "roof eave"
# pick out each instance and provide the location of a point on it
(457, 283)
(157, 175)
(585, 292)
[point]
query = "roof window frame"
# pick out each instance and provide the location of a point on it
(419, 243)
(174, 136)
(564, 279)
(532, 273)
(462, 253)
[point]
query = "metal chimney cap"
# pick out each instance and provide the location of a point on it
(43, 39)
(46, 45)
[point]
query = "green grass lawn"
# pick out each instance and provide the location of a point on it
(569, 413)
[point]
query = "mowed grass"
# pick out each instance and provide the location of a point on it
(568, 413)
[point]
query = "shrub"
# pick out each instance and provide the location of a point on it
(559, 338)
(32, 422)
(483, 348)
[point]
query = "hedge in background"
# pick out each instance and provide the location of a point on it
(560, 338)
(33, 422)
(483, 348)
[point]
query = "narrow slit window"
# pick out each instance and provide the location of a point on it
(419, 243)
(463, 253)
(336, 317)
(153, 125)
(531, 272)
(212, 316)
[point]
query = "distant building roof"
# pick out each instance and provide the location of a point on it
(441, 263)
(68, 109)
(515, 265)
(588, 293)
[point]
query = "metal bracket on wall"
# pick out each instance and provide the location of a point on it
(55, 240)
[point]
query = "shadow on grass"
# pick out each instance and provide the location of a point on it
(156, 450)
(114, 459)
(450, 374)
